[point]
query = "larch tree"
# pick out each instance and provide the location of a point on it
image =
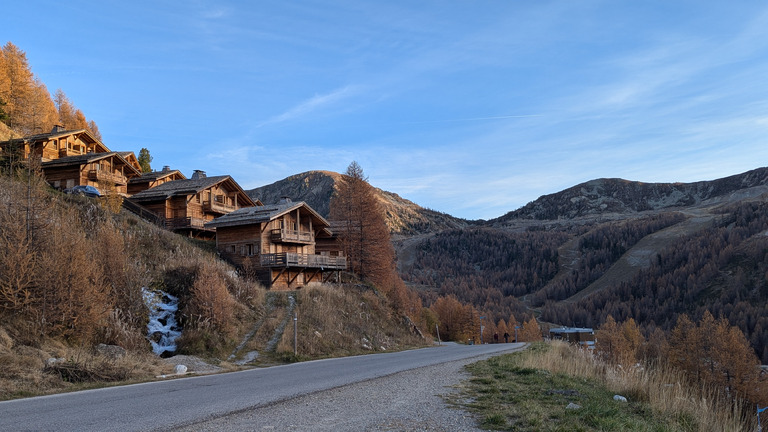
(608, 340)
(530, 331)
(363, 232)
(29, 106)
(685, 343)
(94, 129)
(65, 109)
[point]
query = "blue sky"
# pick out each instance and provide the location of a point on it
(470, 108)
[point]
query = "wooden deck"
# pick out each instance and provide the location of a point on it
(217, 207)
(107, 176)
(188, 222)
(291, 236)
(296, 260)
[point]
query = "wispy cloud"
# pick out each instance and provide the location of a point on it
(311, 105)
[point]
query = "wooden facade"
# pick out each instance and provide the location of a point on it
(58, 143)
(186, 205)
(153, 179)
(76, 157)
(108, 172)
(278, 243)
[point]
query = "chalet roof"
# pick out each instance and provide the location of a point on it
(186, 187)
(85, 159)
(56, 134)
(253, 215)
(155, 175)
(571, 330)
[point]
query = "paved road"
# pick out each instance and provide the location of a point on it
(188, 401)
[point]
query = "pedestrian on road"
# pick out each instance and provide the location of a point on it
(495, 338)
(506, 337)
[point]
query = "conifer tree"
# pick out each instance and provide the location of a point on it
(29, 106)
(65, 109)
(144, 160)
(364, 235)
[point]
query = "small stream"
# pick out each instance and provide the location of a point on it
(162, 329)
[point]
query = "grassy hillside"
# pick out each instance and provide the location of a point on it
(71, 279)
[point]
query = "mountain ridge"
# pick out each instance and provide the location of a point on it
(612, 195)
(602, 196)
(316, 188)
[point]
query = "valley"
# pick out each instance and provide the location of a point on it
(607, 235)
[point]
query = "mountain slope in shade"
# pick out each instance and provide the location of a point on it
(603, 196)
(317, 187)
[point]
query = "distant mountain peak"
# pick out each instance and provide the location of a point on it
(615, 195)
(317, 187)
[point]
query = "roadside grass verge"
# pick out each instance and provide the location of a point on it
(531, 390)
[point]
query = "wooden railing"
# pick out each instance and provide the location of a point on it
(217, 207)
(142, 212)
(288, 259)
(101, 175)
(187, 222)
(282, 235)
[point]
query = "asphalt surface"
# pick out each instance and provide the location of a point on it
(186, 402)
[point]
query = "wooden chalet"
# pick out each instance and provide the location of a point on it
(279, 244)
(184, 206)
(106, 171)
(153, 179)
(58, 143)
(76, 157)
(584, 337)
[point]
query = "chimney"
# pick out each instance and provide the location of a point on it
(57, 129)
(166, 168)
(198, 174)
(285, 200)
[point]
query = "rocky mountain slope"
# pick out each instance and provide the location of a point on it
(317, 187)
(617, 196)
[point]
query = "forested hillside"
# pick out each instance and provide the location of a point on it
(713, 257)
(723, 270)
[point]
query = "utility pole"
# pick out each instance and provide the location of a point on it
(481, 329)
(295, 334)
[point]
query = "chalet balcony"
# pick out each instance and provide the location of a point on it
(217, 207)
(186, 222)
(303, 261)
(102, 175)
(64, 152)
(291, 236)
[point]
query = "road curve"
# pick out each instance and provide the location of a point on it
(186, 401)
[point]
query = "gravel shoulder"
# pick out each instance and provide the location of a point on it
(405, 401)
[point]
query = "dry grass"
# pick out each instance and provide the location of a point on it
(345, 320)
(665, 390)
(29, 370)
